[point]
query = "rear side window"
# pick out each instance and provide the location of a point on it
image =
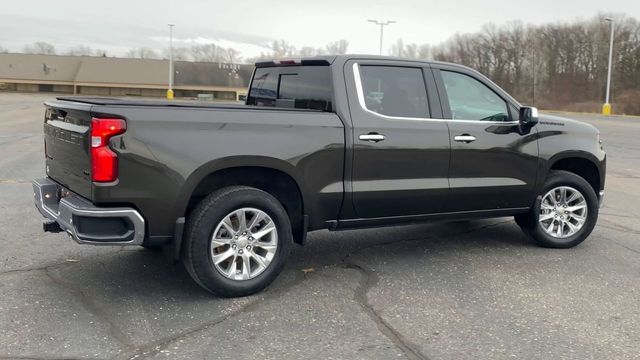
(394, 91)
(300, 87)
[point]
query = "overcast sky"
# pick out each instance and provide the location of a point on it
(249, 25)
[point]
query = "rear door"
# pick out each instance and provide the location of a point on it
(401, 154)
(493, 158)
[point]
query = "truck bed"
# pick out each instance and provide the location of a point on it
(173, 103)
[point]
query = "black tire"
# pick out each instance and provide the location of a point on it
(201, 223)
(529, 222)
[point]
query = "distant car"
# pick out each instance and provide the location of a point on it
(332, 142)
(242, 97)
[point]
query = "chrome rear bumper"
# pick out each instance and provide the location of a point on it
(84, 222)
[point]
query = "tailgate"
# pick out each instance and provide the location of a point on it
(66, 139)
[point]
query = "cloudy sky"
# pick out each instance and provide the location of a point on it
(249, 25)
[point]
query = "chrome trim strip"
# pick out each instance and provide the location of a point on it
(62, 211)
(485, 122)
(363, 106)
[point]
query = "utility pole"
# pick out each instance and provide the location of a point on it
(606, 108)
(382, 24)
(170, 91)
(534, 76)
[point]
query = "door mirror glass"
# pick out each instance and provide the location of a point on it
(528, 115)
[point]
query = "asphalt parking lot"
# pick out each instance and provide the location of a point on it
(461, 290)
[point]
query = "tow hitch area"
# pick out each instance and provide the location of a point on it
(86, 223)
(51, 226)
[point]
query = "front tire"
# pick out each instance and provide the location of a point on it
(564, 215)
(237, 241)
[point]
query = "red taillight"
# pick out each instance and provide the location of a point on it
(104, 162)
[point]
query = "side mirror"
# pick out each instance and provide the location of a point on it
(528, 115)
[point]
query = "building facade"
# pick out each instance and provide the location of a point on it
(107, 76)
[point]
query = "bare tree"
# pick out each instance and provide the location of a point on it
(559, 66)
(40, 47)
(307, 51)
(142, 53)
(179, 54)
(232, 56)
(209, 53)
(337, 47)
(281, 49)
(83, 50)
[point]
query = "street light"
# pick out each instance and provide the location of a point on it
(606, 108)
(382, 24)
(170, 91)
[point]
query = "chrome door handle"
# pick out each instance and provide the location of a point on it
(465, 138)
(372, 137)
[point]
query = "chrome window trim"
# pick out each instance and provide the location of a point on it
(363, 106)
(512, 122)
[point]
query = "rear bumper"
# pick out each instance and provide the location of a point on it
(84, 222)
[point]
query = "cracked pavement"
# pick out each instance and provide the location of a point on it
(458, 290)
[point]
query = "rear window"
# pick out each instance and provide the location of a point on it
(300, 87)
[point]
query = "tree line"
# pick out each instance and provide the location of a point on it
(203, 52)
(553, 66)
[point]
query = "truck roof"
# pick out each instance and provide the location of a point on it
(331, 59)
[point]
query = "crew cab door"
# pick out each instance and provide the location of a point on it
(493, 158)
(400, 154)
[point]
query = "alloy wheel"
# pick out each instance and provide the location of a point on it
(244, 243)
(563, 212)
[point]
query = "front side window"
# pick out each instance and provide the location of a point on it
(394, 91)
(469, 99)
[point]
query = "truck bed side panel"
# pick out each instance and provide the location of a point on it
(166, 152)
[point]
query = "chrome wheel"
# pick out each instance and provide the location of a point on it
(563, 212)
(244, 243)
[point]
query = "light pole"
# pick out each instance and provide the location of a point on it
(606, 108)
(382, 24)
(170, 91)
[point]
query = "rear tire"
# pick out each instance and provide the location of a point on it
(568, 207)
(229, 257)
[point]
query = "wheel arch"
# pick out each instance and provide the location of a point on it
(274, 176)
(581, 163)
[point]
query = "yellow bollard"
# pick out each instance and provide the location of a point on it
(606, 109)
(169, 94)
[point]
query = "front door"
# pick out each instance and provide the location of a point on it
(401, 154)
(493, 158)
